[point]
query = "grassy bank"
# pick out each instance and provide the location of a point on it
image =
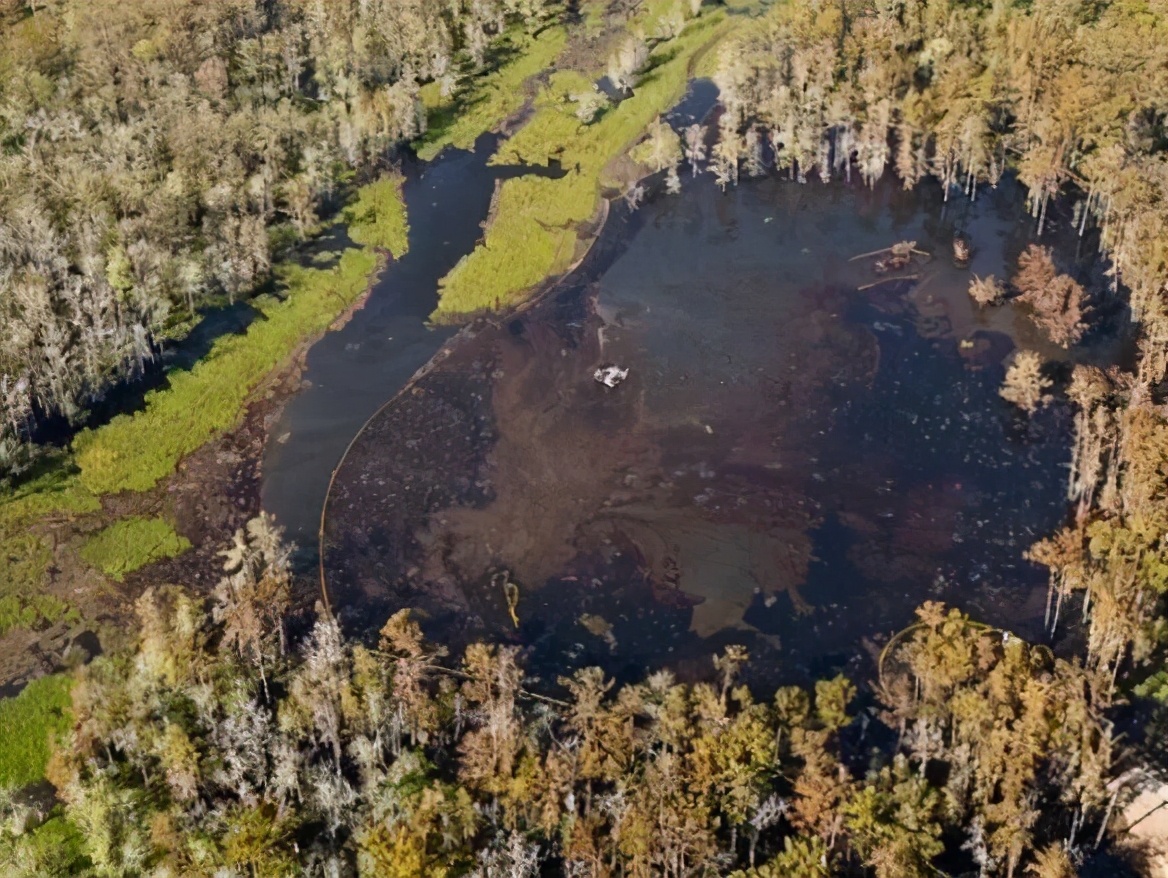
(377, 216)
(29, 722)
(533, 235)
(459, 120)
(135, 452)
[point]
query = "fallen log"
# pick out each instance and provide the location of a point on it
(900, 248)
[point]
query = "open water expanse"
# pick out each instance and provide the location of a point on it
(793, 463)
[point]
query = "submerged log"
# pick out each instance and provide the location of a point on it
(888, 280)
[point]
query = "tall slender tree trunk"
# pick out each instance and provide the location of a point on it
(1106, 817)
(1050, 597)
(1076, 822)
(263, 678)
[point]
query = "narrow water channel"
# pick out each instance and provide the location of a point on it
(352, 371)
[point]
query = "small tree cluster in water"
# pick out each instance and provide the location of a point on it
(1059, 90)
(211, 749)
(1063, 92)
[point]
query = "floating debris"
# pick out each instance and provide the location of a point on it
(899, 255)
(611, 375)
(961, 251)
(600, 627)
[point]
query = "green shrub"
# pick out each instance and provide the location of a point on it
(131, 543)
(55, 848)
(377, 217)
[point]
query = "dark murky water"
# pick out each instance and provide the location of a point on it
(791, 464)
(794, 463)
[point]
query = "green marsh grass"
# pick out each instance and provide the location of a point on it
(25, 558)
(533, 233)
(131, 543)
(31, 721)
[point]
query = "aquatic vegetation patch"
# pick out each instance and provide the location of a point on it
(131, 543)
(533, 234)
(25, 557)
(30, 721)
(55, 490)
(459, 120)
(377, 217)
(24, 565)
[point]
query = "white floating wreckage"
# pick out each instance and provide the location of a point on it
(611, 375)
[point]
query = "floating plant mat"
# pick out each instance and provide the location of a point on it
(790, 463)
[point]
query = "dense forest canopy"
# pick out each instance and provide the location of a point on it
(214, 750)
(154, 154)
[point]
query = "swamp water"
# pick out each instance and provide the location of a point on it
(792, 464)
(350, 372)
